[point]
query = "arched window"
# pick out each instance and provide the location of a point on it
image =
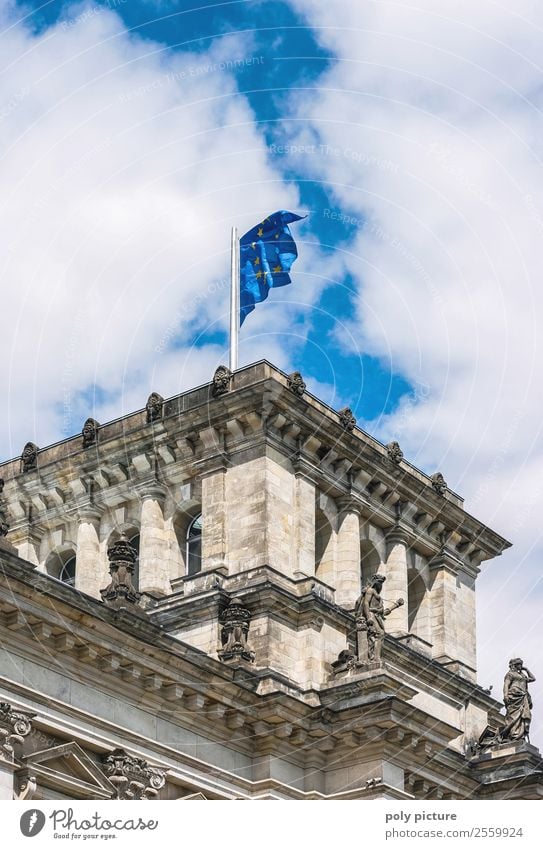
(67, 573)
(61, 565)
(194, 546)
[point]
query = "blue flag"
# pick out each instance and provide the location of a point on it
(266, 254)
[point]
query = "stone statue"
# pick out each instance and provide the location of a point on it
(518, 702)
(518, 708)
(90, 433)
(153, 407)
(439, 483)
(221, 381)
(296, 383)
(370, 614)
(394, 452)
(122, 558)
(29, 457)
(347, 419)
(235, 620)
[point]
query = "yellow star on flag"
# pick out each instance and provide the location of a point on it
(260, 232)
(277, 268)
(258, 275)
(257, 261)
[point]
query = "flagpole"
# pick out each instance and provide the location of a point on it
(234, 299)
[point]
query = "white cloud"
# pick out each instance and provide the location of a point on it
(429, 125)
(123, 166)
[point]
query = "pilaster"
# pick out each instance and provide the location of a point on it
(396, 586)
(89, 574)
(348, 554)
(153, 555)
(443, 607)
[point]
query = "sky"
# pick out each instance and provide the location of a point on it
(134, 135)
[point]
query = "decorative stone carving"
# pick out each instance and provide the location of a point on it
(122, 560)
(439, 483)
(14, 727)
(4, 524)
(29, 457)
(370, 614)
(221, 381)
(27, 786)
(394, 452)
(154, 407)
(90, 433)
(518, 708)
(346, 661)
(347, 419)
(4, 527)
(132, 777)
(235, 620)
(296, 383)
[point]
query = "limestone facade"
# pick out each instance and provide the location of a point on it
(262, 495)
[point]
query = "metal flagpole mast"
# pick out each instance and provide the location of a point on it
(234, 300)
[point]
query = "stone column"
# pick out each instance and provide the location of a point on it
(14, 727)
(154, 558)
(396, 582)
(89, 571)
(443, 609)
(7, 768)
(348, 554)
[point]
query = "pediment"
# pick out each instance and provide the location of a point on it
(194, 797)
(68, 769)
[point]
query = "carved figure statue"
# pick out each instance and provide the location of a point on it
(221, 381)
(296, 383)
(518, 708)
(370, 613)
(394, 452)
(29, 457)
(154, 405)
(518, 702)
(122, 560)
(90, 432)
(235, 620)
(439, 483)
(347, 419)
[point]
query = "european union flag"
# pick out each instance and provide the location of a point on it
(266, 254)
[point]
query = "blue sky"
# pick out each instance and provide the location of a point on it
(287, 59)
(134, 134)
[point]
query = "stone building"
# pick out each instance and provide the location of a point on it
(177, 601)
